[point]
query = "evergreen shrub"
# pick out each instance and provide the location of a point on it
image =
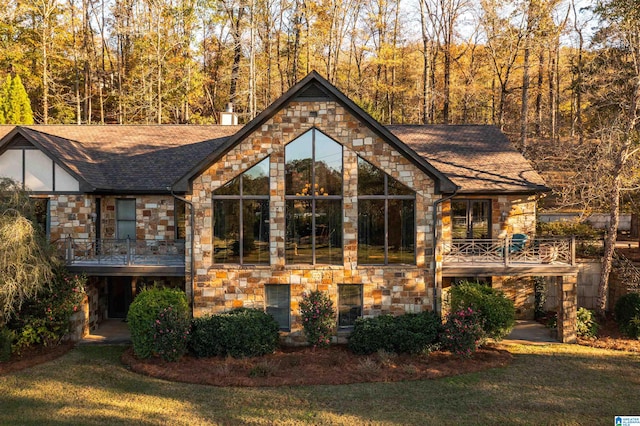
(586, 324)
(408, 333)
(496, 311)
(239, 333)
(146, 322)
(627, 313)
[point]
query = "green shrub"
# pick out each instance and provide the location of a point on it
(586, 324)
(463, 332)
(44, 318)
(238, 333)
(627, 312)
(318, 318)
(582, 231)
(6, 340)
(409, 333)
(171, 334)
(496, 310)
(370, 335)
(144, 315)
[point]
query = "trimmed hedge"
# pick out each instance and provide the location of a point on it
(497, 313)
(408, 333)
(151, 308)
(238, 333)
(627, 312)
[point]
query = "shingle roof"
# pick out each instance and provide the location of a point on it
(477, 158)
(131, 157)
(139, 158)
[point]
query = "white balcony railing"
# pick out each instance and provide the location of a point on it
(509, 251)
(112, 252)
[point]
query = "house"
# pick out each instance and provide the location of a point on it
(311, 194)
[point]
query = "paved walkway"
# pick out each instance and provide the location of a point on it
(110, 332)
(530, 333)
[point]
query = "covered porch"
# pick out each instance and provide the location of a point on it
(541, 257)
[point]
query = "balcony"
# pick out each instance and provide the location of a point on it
(123, 257)
(508, 257)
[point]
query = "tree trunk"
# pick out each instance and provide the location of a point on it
(524, 108)
(609, 246)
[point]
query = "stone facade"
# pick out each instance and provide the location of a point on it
(386, 289)
(70, 216)
(155, 217)
(75, 216)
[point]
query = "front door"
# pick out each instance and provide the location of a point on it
(120, 296)
(471, 219)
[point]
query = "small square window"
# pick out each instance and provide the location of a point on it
(277, 302)
(349, 304)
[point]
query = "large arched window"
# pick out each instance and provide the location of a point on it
(386, 218)
(313, 188)
(241, 218)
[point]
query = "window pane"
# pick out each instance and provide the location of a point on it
(370, 179)
(126, 209)
(41, 211)
(459, 219)
(480, 219)
(180, 219)
(371, 233)
(299, 231)
(350, 304)
(255, 181)
(328, 165)
(230, 188)
(401, 231)
(277, 304)
(397, 188)
(255, 229)
(226, 230)
(126, 229)
(298, 158)
(329, 231)
(126, 219)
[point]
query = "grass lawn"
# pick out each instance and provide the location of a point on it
(557, 384)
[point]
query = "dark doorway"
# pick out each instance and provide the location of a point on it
(120, 296)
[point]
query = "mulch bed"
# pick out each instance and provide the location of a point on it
(34, 356)
(304, 366)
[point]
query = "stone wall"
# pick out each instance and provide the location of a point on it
(389, 289)
(75, 216)
(521, 291)
(70, 216)
(154, 217)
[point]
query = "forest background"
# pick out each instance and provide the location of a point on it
(527, 66)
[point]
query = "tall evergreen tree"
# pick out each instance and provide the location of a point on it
(19, 111)
(15, 106)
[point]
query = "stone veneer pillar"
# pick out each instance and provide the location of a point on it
(568, 308)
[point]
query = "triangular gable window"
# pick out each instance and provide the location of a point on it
(386, 218)
(33, 168)
(241, 218)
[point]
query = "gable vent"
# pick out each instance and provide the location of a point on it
(312, 93)
(20, 141)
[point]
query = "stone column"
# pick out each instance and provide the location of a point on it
(567, 308)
